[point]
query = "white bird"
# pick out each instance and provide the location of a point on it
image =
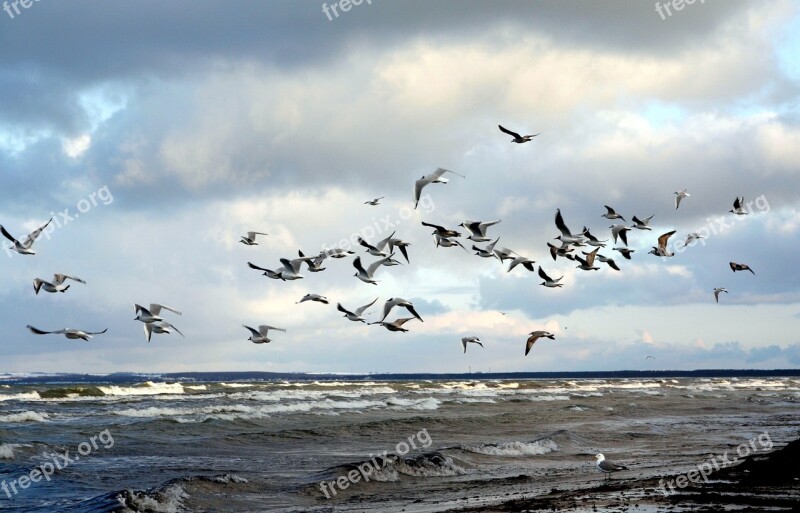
(274, 274)
(625, 252)
(587, 264)
(250, 238)
(467, 340)
(156, 308)
(337, 253)
(478, 229)
(717, 291)
(314, 297)
(607, 467)
(566, 235)
(145, 315)
(260, 336)
(738, 209)
(525, 262)
(379, 249)
(679, 195)
(56, 284)
(504, 254)
(396, 325)
(70, 333)
(398, 301)
(159, 328)
(519, 139)
(441, 230)
(24, 247)
(662, 250)
(359, 312)
(641, 225)
(692, 237)
(435, 177)
(375, 201)
(592, 240)
(549, 282)
(610, 261)
(401, 245)
(314, 266)
(562, 251)
(447, 243)
(612, 214)
(365, 275)
(291, 268)
(534, 336)
(621, 231)
(488, 251)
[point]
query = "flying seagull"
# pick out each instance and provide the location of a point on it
(260, 336)
(145, 315)
(447, 243)
(70, 333)
(314, 297)
(692, 237)
(435, 177)
(365, 275)
(275, 275)
(467, 340)
(587, 264)
(337, 253)
(357, 315)
(679, 195)
(563, 251)
(641, 225)
(566, 235)
(156, 308)
(534, 336)
(662, 250)
(548, 282)
(478, 229)
(610, 261)
(740, 267)
(250, 238)
(160, 328)
(738, 209)
(375, 201)
(612, 214)
(592, 240)
(625, 252)
(621, 231)
(488, 251)
(525, 262)
(441, 230)
(396, 325)
(519, 139)
(56, 284)
(607, 467)
(314, 266)
(717, 291)
(398, 301)
(24, 247)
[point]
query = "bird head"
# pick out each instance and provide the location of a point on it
(599, 457)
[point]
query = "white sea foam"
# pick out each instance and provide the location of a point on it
(25, 416)
(536, 448)
(26, 396)
(149, 388)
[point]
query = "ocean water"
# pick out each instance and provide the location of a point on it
(131, 443)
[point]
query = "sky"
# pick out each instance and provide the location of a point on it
(156, 134)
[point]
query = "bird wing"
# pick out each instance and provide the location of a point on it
(611, 263)
(375, 265)
(611, 211)
(401, 321)
(344, 310)
(509, 132)
(543, 275)
(482, 227)
(264, 329)
(464, 343)
(254, 266)
(31, 238)
(7, 235)
(96, 332)
(42, 332)
(737, 204)
(384, 242)
(529, 344)
(253, 331)
(156, 309)
(440, 171)
(148, 330)
(436, 226)
(361, 309)
(418, 185)
(562, 227)
(662, 241)
(358, 266)
(410, 308)
(590, 257)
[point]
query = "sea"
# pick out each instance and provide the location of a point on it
(250, 442)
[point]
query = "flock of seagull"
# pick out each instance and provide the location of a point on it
(571, 246)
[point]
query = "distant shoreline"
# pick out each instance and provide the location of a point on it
(126, 377)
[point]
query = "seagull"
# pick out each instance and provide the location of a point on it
(563, 251)
(145, 315)
(275, 275)
(398, 301)
(442, 231)
(625, 252)
(519, 139)
(587, 264)
(641, 225)
(315, 265)
(24, 247)
(375, 201)
(467, 340)
(649, 357)
(592, 240)
(620, 230)
(488, 251)
(250, 238)
(56, 284)
(447, 243)
(661, 250)
(159, 327)
(337, 253)
(525, 262)
(737, 207)
(611, 263)
(366, 275)
(375, 250)
(357, 315)
(566, 235)
(607, 467)
(740, 267)
(679, 195)
(549, 282)
(717, 291)
(395, 325)
(70, 333)
(314, 297)
(534, 336)
(692, 237)
(435, 177)
(155, 309)
(504, 254)
(612, 214)
(260, 336)
(478, 229)
(291, 268)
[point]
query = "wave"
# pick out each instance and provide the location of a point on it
(148, 388)
(25, 416)
(535, 448)
(25, 396)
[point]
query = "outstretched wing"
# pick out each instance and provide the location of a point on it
(509, 132)
(7, 235)
(156, 308)
(42, 332)
(360, 310)
(31, 238)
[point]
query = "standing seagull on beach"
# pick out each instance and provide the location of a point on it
(519, 139)
(607, 467)
(467, 340)
(679, 195)
(435, 177)
(24, 247)
(250, 238)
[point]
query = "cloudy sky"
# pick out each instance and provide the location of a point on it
(157, 133)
